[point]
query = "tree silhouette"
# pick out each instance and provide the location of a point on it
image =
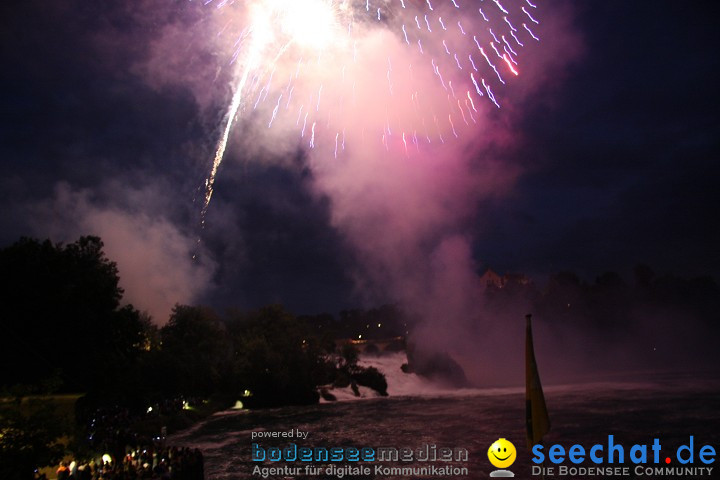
(61, 315)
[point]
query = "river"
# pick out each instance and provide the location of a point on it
(669, 407)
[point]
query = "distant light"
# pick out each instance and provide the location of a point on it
(238, 405)
(149, 409)
(107, 458)
(360, 336)
(247, 393)
(379, 325)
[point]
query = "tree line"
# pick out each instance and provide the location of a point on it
(66, 329)
(611, 302)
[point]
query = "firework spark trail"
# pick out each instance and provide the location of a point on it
(230, 116)
(222, 144)
(333, 32)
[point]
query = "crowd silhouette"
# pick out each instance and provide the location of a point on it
(150, 463)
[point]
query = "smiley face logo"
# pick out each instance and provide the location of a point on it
(502, 453)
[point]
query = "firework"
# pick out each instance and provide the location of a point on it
(305, 63)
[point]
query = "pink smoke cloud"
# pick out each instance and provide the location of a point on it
(154, 256)
(403, 138)
(408, 215)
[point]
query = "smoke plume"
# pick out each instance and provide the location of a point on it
(153, 255)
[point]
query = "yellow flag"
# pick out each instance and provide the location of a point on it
(537, 421)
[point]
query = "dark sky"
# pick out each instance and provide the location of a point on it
(627, 156)
(619, 160)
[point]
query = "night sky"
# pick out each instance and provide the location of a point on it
(616, 158)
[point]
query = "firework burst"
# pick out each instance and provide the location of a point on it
(305, 64)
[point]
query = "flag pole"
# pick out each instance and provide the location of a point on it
(537, 420)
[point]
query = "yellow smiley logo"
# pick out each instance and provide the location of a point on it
(502, 453)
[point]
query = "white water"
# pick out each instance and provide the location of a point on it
(401, 384)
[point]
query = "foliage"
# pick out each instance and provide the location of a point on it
(610, 304)
(349, 356)
(65, 321)
(196, 350)
(275, 358)
(61, 314)
(30, 430)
